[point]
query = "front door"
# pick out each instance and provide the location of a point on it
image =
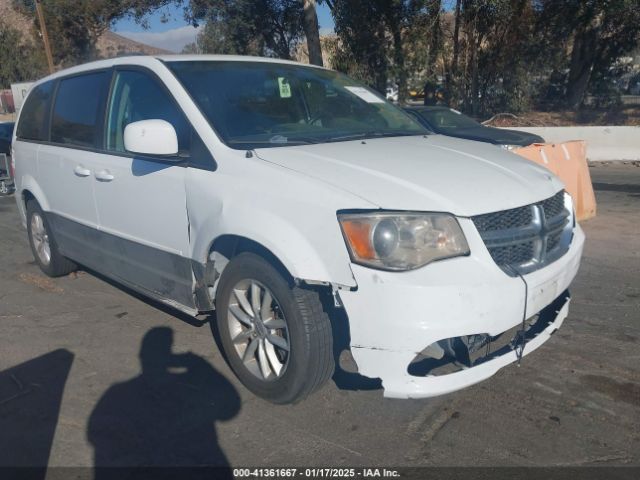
(141, 201)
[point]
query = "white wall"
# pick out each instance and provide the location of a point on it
(603, 143)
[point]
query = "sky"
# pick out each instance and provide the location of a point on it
(176, 33)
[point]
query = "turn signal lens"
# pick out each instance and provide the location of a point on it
(359, 234)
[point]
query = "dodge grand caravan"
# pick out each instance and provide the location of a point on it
(261, 188)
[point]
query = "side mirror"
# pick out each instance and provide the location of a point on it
(151, 137)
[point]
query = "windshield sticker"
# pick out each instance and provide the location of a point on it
(278, 139)
(365, 94)
(285, 88)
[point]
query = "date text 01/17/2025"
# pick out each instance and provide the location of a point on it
(315, 473)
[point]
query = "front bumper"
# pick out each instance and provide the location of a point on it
(394, 316)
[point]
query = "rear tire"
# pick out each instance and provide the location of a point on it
(291, 331)
(43, 244)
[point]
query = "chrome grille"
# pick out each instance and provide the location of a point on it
(521, 240)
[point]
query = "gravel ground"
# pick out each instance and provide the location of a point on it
(72, 388)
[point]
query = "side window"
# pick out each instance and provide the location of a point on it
(33, 119)
(136, 96)
(76, 113)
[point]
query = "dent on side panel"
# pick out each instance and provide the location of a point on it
(205, 278)
(288, 220)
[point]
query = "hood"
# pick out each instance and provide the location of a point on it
(498, 136)
(430, 173)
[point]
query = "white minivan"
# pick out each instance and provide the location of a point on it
(296, 203)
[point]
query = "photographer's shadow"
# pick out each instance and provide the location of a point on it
(166, 415)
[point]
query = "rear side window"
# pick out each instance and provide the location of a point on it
(77, 117)
(35, 112)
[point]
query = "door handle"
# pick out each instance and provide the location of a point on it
(104, 176)
(81, 171)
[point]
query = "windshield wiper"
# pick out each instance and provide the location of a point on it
(373, 134)
(279, 143)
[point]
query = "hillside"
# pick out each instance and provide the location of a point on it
(110, 44)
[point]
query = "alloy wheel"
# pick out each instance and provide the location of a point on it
(40, 238)
(258, 330)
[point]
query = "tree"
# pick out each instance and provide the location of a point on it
(382, 40)
(394, 14)
(225, 32)
(596, 33)
(486, 55)
(422, 35)
(609, 30)
(364, 47)
(74, 27)
(19, 61)
(312, 32)
(262, 27)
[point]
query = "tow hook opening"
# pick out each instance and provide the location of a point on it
(453, 354)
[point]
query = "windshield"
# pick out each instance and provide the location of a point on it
(261, 104)
(447, 119)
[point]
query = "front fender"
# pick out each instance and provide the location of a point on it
(291, 215)
(311, 249)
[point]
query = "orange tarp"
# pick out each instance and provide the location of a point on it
(568, 161)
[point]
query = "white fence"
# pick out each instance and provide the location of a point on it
(603, 143)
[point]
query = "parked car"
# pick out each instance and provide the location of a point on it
(634, 85)
(6, 178)
(287, 197)
(6, 132)
(450, 122)
(392, 94)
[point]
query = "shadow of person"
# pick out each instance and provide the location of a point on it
(343, 378)
(30, 400)
(164, 417)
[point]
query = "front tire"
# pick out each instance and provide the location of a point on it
(43, 244)
(276, 338)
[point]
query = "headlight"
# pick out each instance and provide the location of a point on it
(402, 241)
(509, 147)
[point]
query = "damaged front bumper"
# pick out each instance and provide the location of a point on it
(395, 317)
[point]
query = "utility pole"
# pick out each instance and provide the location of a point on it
(45, 35)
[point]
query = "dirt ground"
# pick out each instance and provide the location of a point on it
(628, 115)
(80, 380)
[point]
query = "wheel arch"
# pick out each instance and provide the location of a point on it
(231, 245)
(30, 189)
(26, 196)
(223, 249)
